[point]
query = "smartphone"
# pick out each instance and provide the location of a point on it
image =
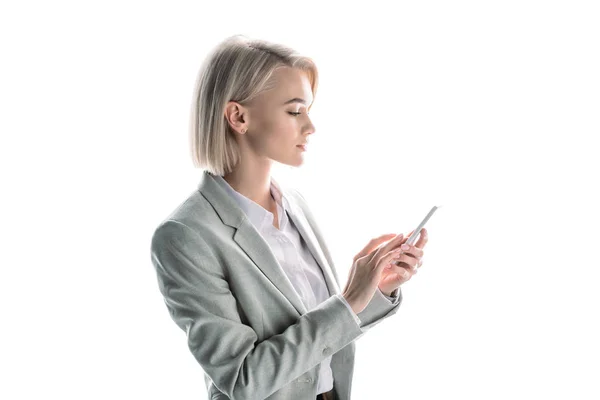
(412, 238)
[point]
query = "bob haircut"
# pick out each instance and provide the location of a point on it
(237, 69)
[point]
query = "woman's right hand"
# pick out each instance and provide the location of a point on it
(367, 268)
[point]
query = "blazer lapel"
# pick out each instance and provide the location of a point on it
(253, 244)
(249, 240)
(306, 231)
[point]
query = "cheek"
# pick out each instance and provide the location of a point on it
(271, 126)
(276, 131)
(279, 128)
(268, 125)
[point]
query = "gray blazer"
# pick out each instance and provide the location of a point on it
(245, 324)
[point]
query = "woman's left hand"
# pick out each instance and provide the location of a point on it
(408, 263)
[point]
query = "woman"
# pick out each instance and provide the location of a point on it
(241, 263)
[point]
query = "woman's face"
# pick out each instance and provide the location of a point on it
(276, 123)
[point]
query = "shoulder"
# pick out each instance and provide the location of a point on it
(194, 218)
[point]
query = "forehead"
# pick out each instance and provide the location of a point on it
(291, 83)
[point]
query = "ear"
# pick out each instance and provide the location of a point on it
(237, 116)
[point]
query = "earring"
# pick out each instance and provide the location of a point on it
(243, 131)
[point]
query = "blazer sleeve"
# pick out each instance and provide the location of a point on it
(199, 300)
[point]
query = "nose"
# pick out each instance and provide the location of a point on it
(310, 129)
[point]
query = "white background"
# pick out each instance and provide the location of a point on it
(488, 108)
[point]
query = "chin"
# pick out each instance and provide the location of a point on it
(295, 162)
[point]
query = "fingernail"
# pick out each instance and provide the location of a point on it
(405, 247)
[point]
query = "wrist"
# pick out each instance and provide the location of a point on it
(350, 302)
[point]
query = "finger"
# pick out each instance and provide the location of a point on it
(422, 239)
(395, 245)
(373, 244)
(391, 245)
(406, 261)
(408, 236)
(387, 259)
(403, 274)
(411, 250)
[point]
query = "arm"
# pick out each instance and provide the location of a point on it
(379, 308)
(198, 298)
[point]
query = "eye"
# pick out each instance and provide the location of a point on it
(295, 114)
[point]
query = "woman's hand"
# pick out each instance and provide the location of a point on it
(408, 262)
(367, 269)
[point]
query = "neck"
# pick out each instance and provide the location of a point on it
(255, 187)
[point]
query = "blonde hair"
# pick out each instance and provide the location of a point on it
(237, 69)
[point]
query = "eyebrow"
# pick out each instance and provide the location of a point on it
(295, 100)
